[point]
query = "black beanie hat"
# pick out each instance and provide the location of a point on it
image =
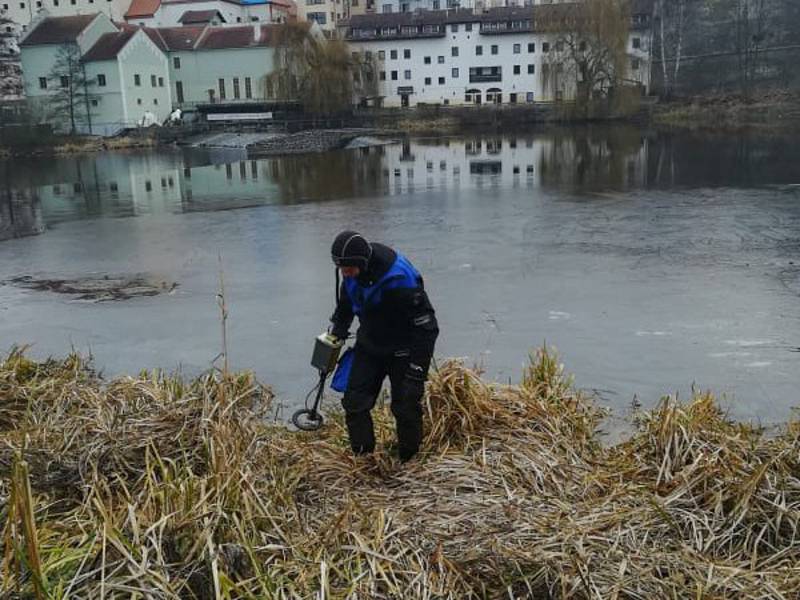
(351, 249)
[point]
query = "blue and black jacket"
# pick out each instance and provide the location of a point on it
(394, 312)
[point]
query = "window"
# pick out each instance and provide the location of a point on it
(454, 51)
(5, 6)
(531, 48)
(517, 48)
(512, 98)
(160, 82)
(318, 17)
(635, 64)
(441, 80)
(436, 5)
(440, 60)
(137, 79)
(393, 54)
(454, 28)
(545, 47)
(427, 81)
(248, 88)
(179, 91)
(64, 81)
(494, 49)
(101, 80)
(531, 69)
(38, 5)
(406, 53)
(22, 4)
(478, 50)
(155, 101)
(407, 74)
(139, 101)
(468, 27)
(454, 73)
(235, 88)
(42, 83)
(176, 62)
(387, 8)
(637, 43)
(381, 54)
(516, 69)
(427, 60)
(394, 75)
(153, 81)
(382, 76)
(221, 88)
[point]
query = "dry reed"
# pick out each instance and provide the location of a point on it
(154, 487)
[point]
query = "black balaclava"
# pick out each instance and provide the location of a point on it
(351, 249)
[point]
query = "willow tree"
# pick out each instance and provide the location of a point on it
(588, 47)
(321, 74)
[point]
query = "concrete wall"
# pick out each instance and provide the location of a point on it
(201, 71)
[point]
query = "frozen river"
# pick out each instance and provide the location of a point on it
(652, 262)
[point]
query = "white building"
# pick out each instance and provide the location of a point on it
(135, 75)
(172, 13)
(495, 55)
(128, 72)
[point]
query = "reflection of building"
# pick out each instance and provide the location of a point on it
(119, 185)
(504, 55)
(20, 214)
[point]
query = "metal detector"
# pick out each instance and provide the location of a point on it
(324, 359)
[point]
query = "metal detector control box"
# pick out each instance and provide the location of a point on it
(326, 352)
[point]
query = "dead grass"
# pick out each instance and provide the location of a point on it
(152, 487)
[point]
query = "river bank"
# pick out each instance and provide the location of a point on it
(769, 112)
(58, 145)
(155, 485)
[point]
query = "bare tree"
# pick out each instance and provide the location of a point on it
(671, 16)
(320, 73)
(750, 18)
(589, 46)
(10, 71)
(71, 97)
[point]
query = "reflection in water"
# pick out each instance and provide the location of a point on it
(125, 185)
(20, 214)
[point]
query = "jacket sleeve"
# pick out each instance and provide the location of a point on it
(424, 331)
(342, 317)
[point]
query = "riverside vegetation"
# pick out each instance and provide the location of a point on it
(151, 486)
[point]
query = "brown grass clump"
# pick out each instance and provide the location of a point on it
(154, 487)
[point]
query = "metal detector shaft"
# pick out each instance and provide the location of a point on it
(320, 390)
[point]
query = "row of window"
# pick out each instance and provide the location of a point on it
(223, 90)
(476, 74)
(154, 81)
(454, 51)
(39, 4)
(494, 49)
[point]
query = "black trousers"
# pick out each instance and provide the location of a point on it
(366, 378)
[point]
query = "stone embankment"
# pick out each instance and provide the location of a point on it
(310, 141)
